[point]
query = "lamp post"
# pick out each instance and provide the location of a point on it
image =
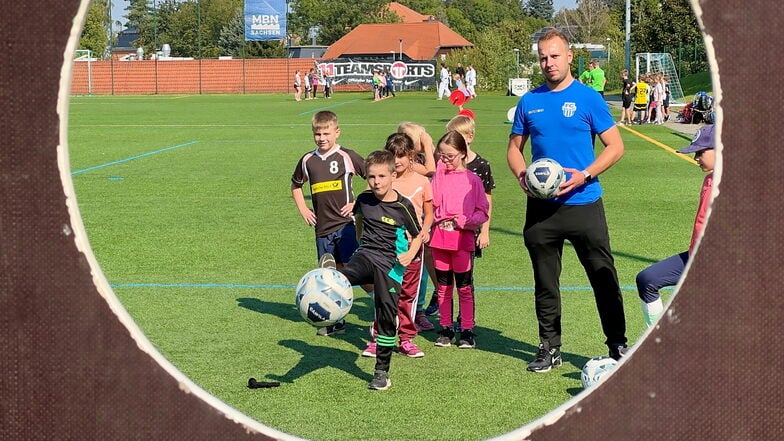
(393, 56)
(517, 62)
(608, 50)
(401, 50)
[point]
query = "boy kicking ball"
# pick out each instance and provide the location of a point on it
(383, 218)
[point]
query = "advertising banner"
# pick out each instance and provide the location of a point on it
(416, 75)
(265, 20)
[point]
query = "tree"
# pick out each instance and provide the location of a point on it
(140, 16)
(334, 18)
(96, 32)
(542, 9)
(591, 21)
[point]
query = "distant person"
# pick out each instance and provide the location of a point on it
(667, 272)
(470, 79)
(598, 79)
(327, 85)
(297, 85)
(562, 119)
(641, 99)
(308, 84)
(667, 96)
(460, 71)
(585, 77)
(390, 83)
(627, 88)
(443, 83)
(329, 170)
(314, 82)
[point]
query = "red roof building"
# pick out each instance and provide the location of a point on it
(419, 37)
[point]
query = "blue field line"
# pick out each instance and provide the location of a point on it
(272, 286)
(120, 161)
(329, 107)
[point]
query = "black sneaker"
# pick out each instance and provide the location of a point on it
(546, 359)
(617, 351)
(327, 260)
(445, 337)
(467, 339)
(337, 328)
(380, 381)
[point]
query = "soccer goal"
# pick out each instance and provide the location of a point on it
(85, 56)
(661, 62)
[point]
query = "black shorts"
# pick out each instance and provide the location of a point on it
(627, 101)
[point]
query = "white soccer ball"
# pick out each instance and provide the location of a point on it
(596, 370)
(543, 177)
(323, 296)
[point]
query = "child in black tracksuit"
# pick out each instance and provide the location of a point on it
(389, 236)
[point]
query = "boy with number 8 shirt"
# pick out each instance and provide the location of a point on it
(390, 238)
(329, 169)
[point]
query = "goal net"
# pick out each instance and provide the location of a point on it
(661, 62)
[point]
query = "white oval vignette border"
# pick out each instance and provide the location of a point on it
(187, 385)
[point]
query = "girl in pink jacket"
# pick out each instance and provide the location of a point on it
(460, 207)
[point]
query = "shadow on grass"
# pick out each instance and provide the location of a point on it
(319, 357)
(357, 335)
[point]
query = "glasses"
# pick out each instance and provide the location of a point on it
(447, 158)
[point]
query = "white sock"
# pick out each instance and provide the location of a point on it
(652, 311)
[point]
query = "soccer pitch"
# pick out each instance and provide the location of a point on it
(187, 208)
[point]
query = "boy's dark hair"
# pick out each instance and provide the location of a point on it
(400, 145)
(454, 139)
(380, 157)
(324, 119)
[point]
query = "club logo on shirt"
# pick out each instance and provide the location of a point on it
(388, 220)
(568, 109)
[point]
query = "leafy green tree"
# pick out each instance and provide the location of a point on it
(542, 9)
(334, 18)
(139, 15)
(95, 35)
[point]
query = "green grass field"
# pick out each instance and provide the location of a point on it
(187, 207)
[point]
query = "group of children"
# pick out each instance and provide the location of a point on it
(426, 213)
(309, 84)
(651, 99)
(423, 208)
(383, 85)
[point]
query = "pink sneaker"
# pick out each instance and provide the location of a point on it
(370, 350)
(410, 349)
(422, 323)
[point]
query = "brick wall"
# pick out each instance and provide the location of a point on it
(189, 76)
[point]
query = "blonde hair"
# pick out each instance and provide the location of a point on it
(414, 131)
(462, 124)
(325, 118)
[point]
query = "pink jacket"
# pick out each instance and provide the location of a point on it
(702, 210)
(460, 207)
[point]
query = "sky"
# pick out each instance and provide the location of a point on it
(118, 11)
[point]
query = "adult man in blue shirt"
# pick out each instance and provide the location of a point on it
(562, 118)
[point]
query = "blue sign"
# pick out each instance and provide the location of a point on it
(265, 20)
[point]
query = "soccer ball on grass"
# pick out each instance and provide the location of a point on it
(596, 369)
(543, 177)
(323, 296)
